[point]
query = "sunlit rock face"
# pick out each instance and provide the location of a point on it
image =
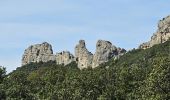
(104, 52)
(38, 53)
(64, 58)
(44, 53)
(162, 34)
(82, 55)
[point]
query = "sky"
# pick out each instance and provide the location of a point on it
(62, 23)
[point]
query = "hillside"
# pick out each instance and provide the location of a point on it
(138, 74)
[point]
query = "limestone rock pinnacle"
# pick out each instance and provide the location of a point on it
(82, 55)
(104, 52)
(38, 53)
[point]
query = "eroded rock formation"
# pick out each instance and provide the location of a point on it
(105, 51)
(83, 56)
(38, 53)
(162, 34)
(44, 53)
(64, 58)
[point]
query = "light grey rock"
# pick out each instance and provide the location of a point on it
(82, 55)
(104, 52)
(161, 36)
(44, 53)
(38, 53)
(64, 58)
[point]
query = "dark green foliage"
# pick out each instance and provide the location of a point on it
(2, 73)
(138, 75)
(2, 76)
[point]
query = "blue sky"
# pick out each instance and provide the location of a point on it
(126, 23)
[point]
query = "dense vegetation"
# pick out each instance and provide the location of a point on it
(139, 74)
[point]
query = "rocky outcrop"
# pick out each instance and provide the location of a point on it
(38, 53)
(83, 56)
(44, 53)
(161, 36)
(64, 58)
(105, 51)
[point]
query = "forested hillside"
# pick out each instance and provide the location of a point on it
(139, 74)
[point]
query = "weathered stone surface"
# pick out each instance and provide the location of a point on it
(64, 58)
(83, 56)
(38, 53)
(105, 51)
(162, 34)
(44, 53)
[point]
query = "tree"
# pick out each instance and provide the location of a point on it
(2, 73)
(2, 76)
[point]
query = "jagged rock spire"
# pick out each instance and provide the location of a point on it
(82, 55)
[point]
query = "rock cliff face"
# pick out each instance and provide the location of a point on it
(37, 53)
(64, 58)
(162, 34)
(83, 56)
(44, 53)
(105, 51)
